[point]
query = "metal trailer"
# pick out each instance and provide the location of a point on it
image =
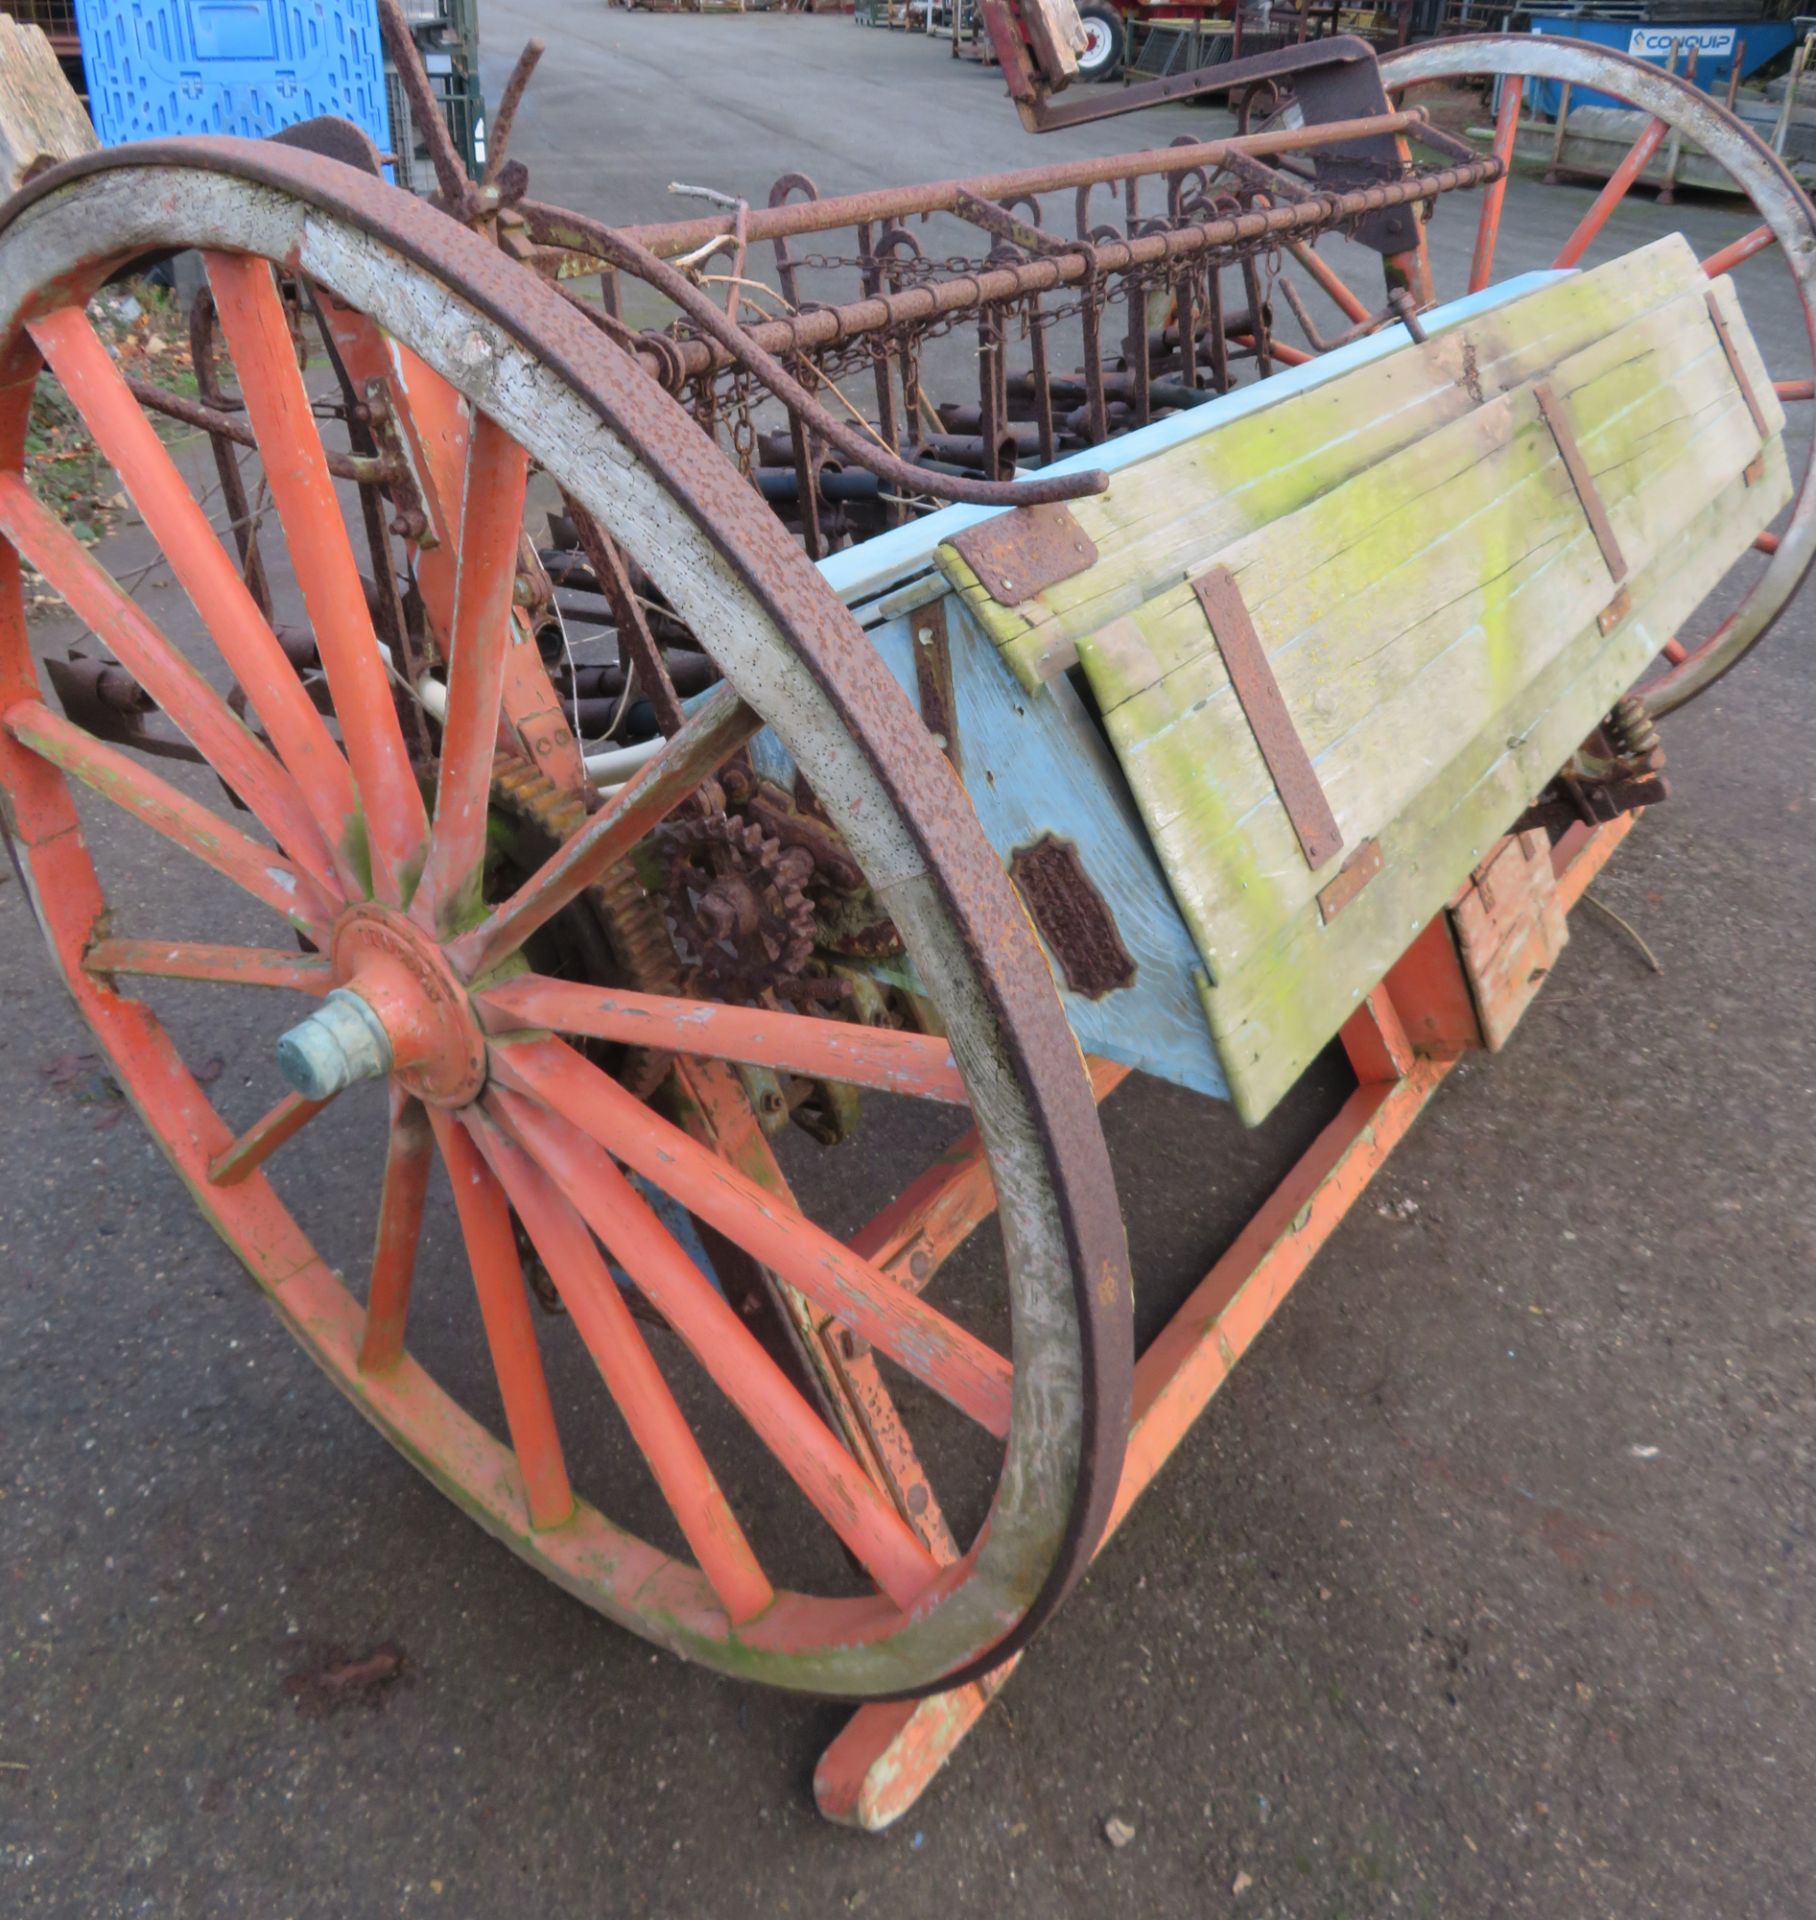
(1234, 693)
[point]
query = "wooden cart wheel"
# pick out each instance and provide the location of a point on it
(1746, 603)
(417, 976)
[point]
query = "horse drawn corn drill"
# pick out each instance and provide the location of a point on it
(629, 714)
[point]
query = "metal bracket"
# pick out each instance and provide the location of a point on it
(1265, 707)
(1756, 467)
(1557, 419)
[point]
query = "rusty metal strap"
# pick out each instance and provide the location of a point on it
(1264, 705)
(1720, 323)
(1552, 412)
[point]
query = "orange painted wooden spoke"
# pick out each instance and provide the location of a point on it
(262, 1139)
(718, 727)
(491, 518)
(849, 1501)
(605, 1325)
(1726, 259)
(910, 1063)
(1795, 389)
(130, 785)
(1488, 226)
(296, 467)
(939, 1209)
(1619, 183)
(955, 1364)
(197, 960)
(190, 703)
(213, 582)
(485, 1222)
(409, 1154)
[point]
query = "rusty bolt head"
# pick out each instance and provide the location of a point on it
(409, 524)
(920, 1263)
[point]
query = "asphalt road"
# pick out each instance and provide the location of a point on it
(1483, 1588)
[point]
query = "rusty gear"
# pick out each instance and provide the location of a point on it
(737, 909)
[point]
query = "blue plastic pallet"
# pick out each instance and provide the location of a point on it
(251, 67)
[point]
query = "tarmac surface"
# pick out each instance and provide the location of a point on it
(1482, 1589)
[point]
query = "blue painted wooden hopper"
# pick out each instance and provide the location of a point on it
(1438, 612)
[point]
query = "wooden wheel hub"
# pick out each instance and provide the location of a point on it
(437, 1049)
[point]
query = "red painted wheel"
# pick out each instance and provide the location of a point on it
(414, 953)
(1680, 118)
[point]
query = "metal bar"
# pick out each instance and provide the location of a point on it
(1732, 356)
(825, 326)
(668, 238)
(1551, 410)
(1262, 702)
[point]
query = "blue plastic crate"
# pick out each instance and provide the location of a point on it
(252, 67)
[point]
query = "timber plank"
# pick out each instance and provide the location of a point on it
(1459, 657)
(1164, 516)
(1271, 1019)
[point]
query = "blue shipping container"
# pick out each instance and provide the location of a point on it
(1718, 43)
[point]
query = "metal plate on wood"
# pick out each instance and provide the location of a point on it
(1354, 874)
(1719, 320)
(1072, 917)
(1018, 554)
(1552, 412)
(933, 676)
(1288, 764)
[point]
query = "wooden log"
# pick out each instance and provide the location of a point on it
(42, 121)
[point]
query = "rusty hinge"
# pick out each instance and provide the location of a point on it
(1756, 467)
(1264, 705)
(1020, 553)
(1552, 412)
